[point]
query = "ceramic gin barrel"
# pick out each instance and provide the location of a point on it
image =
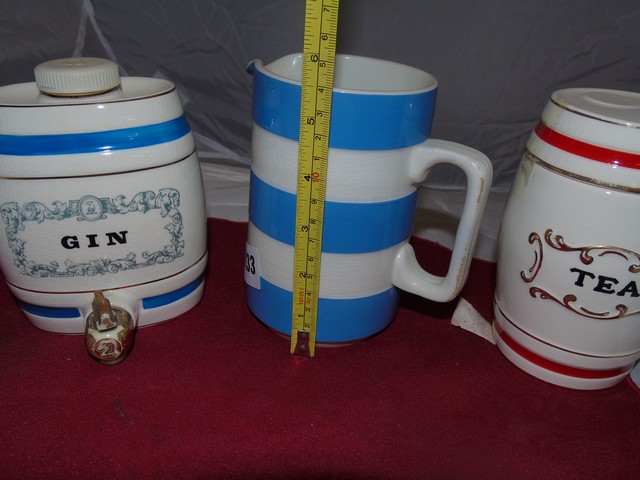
(567, 301)
(101, 196)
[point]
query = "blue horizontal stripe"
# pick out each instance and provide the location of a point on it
(147, 303)
(173, 296)
(50, 312)
(94, 142)
(343, 320)
(358, 121)
(347, 228)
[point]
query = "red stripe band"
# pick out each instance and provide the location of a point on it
(587, 150)
(559, 367)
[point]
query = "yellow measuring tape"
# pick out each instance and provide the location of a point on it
(320, 32)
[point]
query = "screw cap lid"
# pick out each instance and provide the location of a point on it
(77, 76)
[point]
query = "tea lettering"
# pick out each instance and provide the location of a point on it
(604, 284)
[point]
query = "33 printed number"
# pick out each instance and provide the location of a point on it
(250, 264)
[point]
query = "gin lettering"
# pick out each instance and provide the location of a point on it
(71, 242)
(604, 284)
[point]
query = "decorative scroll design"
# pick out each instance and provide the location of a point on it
(586, 255)
(90, 209)
(567, 301)
(531, 274)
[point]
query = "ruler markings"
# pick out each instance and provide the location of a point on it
(315, 117)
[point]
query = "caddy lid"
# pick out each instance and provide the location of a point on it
(70, 77)
(611, 106)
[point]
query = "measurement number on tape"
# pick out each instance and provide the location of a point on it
(321, 26)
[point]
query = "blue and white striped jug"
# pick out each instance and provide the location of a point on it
(379, 153)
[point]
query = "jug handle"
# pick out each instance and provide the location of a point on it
(407, 272)
(108, 331)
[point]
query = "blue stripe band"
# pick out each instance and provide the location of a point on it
(174, 296)
(358, 121)
(94, 142)
(338, 320)
(50, 312)
(347, 228)
(147, 303)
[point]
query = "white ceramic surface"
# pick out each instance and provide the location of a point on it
(379, 153)
(567, 301)
(100, 192)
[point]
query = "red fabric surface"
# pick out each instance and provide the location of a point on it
(214, 394)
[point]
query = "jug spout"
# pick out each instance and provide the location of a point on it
(251, 66)
(109, 331)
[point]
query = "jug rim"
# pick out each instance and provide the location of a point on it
(291, 64)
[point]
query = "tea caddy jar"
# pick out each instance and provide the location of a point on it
(567, 298)
(102, 203)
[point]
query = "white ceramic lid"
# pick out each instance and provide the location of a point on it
(77, 76)
(603, 118)
(594, 134)
(612, 106)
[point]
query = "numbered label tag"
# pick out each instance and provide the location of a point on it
(252, 267)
